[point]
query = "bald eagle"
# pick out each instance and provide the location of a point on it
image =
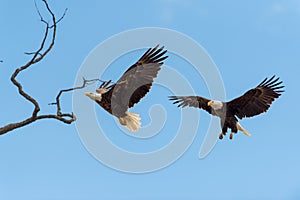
(134, 84)
(253, 102)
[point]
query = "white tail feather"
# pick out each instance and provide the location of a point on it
(131, 121)
(239, 127)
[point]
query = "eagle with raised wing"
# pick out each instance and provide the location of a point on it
(134, 84)
(253, 102)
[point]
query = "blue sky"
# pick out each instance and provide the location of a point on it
(248, 41)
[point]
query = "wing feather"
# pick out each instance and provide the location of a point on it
(136, 82)
(256, 100)
(192, 101)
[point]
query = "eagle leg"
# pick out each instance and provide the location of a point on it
(221, 136)
(231, 135)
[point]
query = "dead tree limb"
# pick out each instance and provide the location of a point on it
(57, 102)
(37, 56)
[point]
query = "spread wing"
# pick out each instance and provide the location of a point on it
(135, 82)
(256, 100)
(192, 101)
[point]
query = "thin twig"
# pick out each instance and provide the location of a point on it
(32, 53)
(65, 12)
(39, 13)
(57, 102)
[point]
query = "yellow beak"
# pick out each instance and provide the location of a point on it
(209, 103)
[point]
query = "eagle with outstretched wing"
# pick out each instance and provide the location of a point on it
(133, 85)
(253, 102)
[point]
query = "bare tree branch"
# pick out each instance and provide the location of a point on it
(57, 102)
(37, 56)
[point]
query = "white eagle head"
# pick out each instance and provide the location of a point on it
(216, 105)
(93, 96)
(101, 90)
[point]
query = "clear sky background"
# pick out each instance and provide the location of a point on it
(248, 41)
